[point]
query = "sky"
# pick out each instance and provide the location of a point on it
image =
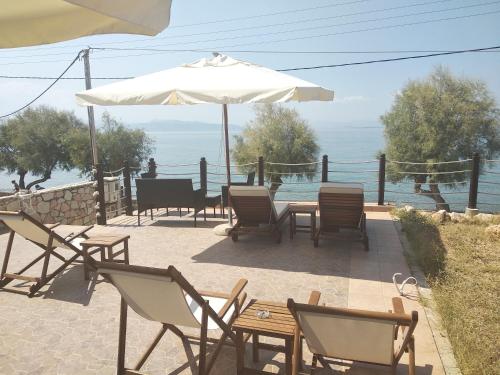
(363, 92)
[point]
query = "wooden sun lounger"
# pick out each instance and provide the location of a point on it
(49, 238)
(166, 297)
(341, 205)
(256, 212)
(354, 335)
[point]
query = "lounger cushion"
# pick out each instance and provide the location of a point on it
(249, 191)
(341, 188)
(352, 338)
(216, 304)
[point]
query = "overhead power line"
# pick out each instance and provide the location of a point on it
(144, 48)
(44, 91)
(390, 60)
(246, 17)
(302, 21)
(312, 28)
(434, 54)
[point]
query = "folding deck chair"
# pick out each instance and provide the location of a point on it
(165, 296)
(48, 237)
(256, 211)
(354, 335)
(341, 205)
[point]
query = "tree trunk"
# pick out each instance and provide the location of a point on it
(276, 182)
(45, 177)
(22, 173)
(434, 193)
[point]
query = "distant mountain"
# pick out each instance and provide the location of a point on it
(326, 125)
(179, 125)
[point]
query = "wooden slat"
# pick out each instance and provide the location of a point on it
(21, 277)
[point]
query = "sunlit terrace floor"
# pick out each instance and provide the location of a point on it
(71, 327)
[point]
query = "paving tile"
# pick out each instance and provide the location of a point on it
(71, 327)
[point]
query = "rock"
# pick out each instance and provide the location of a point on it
(484, 218)
(440, 216)
(47, 196)
(13, 206)
(457, 217)
(493, 230)
(409, 208)
(425, 213)
(43, 207)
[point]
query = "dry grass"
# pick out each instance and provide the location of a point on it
(462, 264)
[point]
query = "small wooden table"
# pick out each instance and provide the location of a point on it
(279, 324)
(105, 242)
(295, 209)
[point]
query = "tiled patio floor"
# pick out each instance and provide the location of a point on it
(71, 327)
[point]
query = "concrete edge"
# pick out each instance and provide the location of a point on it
(439, 334)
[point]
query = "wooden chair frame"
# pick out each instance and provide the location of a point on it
(236, 297)
(407, 323)
(48, 252)
(325, 199)
(248, 224)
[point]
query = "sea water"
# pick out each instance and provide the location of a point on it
(352, 151)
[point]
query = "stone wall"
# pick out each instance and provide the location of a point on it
(68, 204)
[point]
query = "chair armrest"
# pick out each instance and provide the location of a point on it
(397, 305)
(314, 297)
(71, 237)
(238, 288)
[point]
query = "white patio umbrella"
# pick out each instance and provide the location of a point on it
(221, 80)
(33, 22)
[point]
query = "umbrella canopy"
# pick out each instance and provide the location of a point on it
(220, 80)
(33, 22)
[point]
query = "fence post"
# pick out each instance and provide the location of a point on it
(261, 171)
(100, 201)
(127, 185)
(203, 175)
(324, 169)
(381, 180)
(474, 182)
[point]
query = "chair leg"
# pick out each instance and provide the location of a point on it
(203, 340)
(316, 238)
(314, 363)
(7, 254)
(204, 214)
(411, 350)
(122, 337)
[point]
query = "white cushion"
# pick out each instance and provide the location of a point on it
(341, 188)
(249, 191)
(216, 303)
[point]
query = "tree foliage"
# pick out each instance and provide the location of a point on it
(440, 118)
(280, 135)
(36, 141)
(115, 144)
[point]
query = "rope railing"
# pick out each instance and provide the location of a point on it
(177, 174)
(428, 163)
(292, 164)
(232, 165)
(352, 162)
(114, 172)
(434, 173)
(489, 182)
(488, 193)
(176, 165)
(491, 172)
(361, 171)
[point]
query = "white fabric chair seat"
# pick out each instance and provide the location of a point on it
(216, 303)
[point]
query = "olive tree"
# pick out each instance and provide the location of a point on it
(279, 135)
(440, 118)
(36, 141)
(115, 144)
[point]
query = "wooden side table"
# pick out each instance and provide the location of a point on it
(279, 324)
(295, 209)
(105, 242)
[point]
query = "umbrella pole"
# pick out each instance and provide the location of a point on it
(228, 164)
(90, 109)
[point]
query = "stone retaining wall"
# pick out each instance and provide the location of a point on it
(68, 204)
